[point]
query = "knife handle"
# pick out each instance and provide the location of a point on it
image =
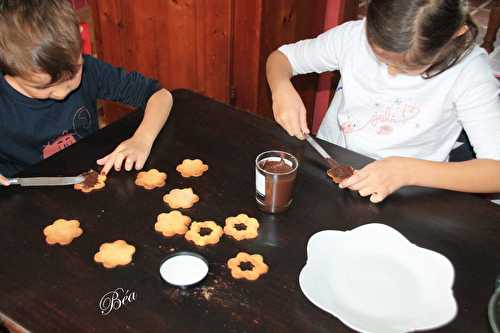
(13, 181)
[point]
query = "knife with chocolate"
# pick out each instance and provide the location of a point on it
(46, 181)
(338, 172)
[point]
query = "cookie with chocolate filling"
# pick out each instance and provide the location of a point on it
(204, 233)
(246, 266)
(92, 181)
(340, 172)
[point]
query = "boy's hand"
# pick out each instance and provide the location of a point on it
(289, 110)
(132, 151)
(380, 178)
(4, 181)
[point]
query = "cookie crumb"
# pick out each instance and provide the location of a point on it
(207, 292)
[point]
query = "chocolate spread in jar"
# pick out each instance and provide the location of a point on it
(276, 166)
(279, 181)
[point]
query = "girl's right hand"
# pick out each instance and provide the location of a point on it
(4, 181)
(289, 111)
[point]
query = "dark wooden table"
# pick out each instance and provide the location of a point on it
(58, 289)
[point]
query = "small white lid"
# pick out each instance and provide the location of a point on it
(184, 269)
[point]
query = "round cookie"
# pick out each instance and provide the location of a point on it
(62, 232)
(181, 198)
(118, 253)
(248, 232)
(194, 233)
(173, 223)
(191, 168)
(151, 179)
(257, 262)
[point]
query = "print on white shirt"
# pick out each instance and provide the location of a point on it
(386, 116)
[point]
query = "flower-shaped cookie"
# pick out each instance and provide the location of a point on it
(339, 173)
(151, 179)
(181, 198)
(192, 168)
(241, 227)
(93, 181)
(115, 254)
(197, 228)
(173, 223)
(62, 231)
(258, 267)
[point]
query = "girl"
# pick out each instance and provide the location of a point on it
(412, 78)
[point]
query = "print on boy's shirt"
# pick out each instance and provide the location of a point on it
(61, 142)
(82, 121)
(385, 117)
(82, 125)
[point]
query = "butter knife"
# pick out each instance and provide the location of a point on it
(338, 172)
(46, 181)
(331, 162)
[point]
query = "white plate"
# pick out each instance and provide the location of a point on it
(374, 280)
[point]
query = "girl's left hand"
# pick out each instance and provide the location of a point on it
(380, 178)
(132, 151)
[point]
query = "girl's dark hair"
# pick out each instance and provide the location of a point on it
(40, 36)
(424, 31)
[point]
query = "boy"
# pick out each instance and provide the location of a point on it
(48, 90)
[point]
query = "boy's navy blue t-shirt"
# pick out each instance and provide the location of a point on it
(33, 129)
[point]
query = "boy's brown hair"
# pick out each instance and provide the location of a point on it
(423, 30)
(41, 36)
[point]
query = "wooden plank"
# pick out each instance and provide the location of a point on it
(109, 22)
(246, 48)
(140, 36)
(213, 29)
(178, 69)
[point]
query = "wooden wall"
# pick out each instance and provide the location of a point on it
(215, 47)
(183, 43)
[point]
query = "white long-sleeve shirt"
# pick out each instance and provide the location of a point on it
(380, 115)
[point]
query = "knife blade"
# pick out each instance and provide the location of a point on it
(331, 162)
(46, 181)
